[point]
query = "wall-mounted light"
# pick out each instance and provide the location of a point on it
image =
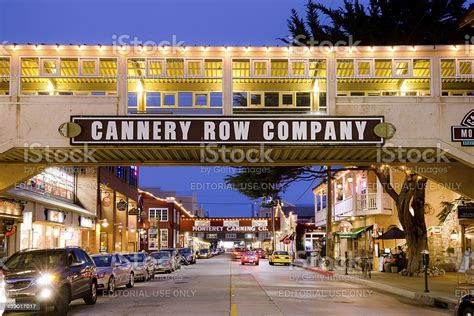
(454, 235)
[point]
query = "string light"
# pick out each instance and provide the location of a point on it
(58, 47)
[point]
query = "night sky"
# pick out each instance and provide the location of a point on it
(195, 22)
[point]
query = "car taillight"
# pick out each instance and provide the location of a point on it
(245, 258)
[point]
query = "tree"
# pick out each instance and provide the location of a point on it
(381, 22)
(409, 201)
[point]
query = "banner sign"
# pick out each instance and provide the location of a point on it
(465, 212)
(243, 130)
(464, 133)
(224, 225)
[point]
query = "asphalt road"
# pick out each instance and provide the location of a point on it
(220, 286)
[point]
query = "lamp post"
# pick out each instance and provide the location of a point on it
(329, 213)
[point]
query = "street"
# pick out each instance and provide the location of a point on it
(220, 286)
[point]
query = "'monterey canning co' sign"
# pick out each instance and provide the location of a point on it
(242, 130)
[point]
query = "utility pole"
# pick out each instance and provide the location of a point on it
(329, 250)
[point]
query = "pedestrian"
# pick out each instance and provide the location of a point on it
(400, 259)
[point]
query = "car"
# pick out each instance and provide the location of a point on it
(465, 306)
(50, 278)
(204, 253)
(282, 257)
(188, 255)
(163, 261)
(175, 256)
(250, 257)
(261, 253)
(113, 270)
(237, 253)
(142, 264)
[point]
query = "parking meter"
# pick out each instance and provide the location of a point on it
(425, 259)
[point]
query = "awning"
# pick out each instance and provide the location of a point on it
(50, 202)
(354, 233)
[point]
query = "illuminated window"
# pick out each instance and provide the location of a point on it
(69, 67)
(49, 66)
(363, 68)
(194, 68)
(260, 68)
(213, 68)
(465, 67)
(317, 68)
(457, 78)
(155, 67)
(88, 67)
(298, 68)
(422, 68)
(108, 67)
(345, 68)
(175, 68)
(402, 68)
(383, 68)
(136, 67)
(241, 68)
(4, 76)
(30, 67)
(278, 67)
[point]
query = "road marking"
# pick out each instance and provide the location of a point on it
(233, 310)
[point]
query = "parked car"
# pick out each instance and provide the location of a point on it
(143, 265)
(465, 306)
(50, 278)
(188, 255)
(204, 253)
(175, 256)
(250, 257)
(237, 253)
(163, 261)
(113, 270)
(261, 253)
(282, 257)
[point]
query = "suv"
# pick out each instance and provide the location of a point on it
(50, 278)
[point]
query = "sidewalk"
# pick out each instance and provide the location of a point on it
(444, 290)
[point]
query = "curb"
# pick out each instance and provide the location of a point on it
(424, 298)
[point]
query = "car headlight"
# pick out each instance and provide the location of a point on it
(46, 279)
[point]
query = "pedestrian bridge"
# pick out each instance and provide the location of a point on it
(335, 96)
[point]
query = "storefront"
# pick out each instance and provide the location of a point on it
(10, 218)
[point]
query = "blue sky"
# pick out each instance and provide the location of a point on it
(196, 22)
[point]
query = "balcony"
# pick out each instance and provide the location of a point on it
(364, 204)
(320, 218)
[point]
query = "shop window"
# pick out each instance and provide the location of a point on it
(383, 68)
(169, 99)
(422, 68)
(88, 67)
(49, 66)
(194, 68)
(303, 99)
(108, 67)
(402, 68)
(239, 99)
(279, 68)
(272, 99)
(175, 68)
(200, 99)
(287, 99)
(260, 68)
(213, 68)
(255, 99)
(153, 99)
(185, 99)
(457, 77)
(164, 238)
(215, 99)
(155, 67)
(465, 68)
(240, 68)
(69, 67)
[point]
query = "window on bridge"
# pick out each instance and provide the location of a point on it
(457, 77)
(4, 76)
(174, 85)
(279, 85)
(68, 76)
(383, 77)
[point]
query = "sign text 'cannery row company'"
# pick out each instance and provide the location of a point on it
(138, 130)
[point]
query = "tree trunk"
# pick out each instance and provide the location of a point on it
(413, 222)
